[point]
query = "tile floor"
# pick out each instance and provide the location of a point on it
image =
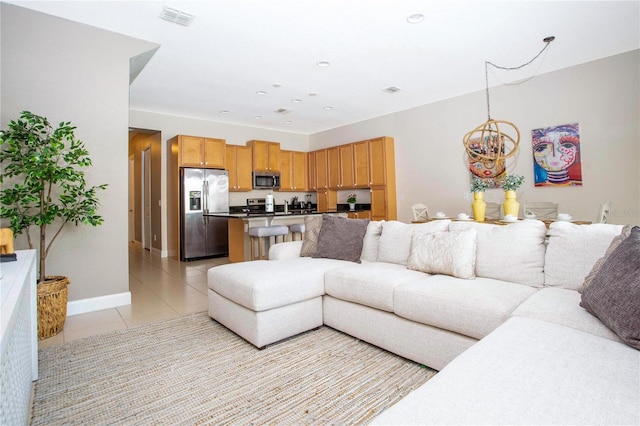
(161, 288)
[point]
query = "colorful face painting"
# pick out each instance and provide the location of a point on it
(556, 155)
(486, 170)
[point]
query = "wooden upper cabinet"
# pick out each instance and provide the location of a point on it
(286, 182)
(312, 177)
(266, 155)
(239, 167)
(378, 163)
(347, 166)
(361, 164)
(322, 177)
(333, 167)
(299, 171)
(196, 151)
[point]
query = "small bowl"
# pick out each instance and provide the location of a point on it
(564, 217)
(509, 218)
(441, 215)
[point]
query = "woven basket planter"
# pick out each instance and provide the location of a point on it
(52, 306)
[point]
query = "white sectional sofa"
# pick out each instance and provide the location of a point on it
(495, 308)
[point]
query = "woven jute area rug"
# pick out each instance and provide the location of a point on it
(193, 371)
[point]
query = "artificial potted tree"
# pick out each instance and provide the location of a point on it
(479, 206)
(510, 185)
(44, 187)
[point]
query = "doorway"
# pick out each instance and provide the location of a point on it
(146, 198)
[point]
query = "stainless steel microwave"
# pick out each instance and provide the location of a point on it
(266, 180)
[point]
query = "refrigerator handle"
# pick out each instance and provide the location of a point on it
(205, 195)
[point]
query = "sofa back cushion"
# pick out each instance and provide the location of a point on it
(395, 240)
(573, 250)
(514, 252)
(371, 241)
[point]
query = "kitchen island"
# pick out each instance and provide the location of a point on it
(239, 224)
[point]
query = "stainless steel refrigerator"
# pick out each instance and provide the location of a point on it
(203, 193)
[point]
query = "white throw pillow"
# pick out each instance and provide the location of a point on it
(573, 250)
(448, 252)
(395, 241)
(371, 241)
(513, 252)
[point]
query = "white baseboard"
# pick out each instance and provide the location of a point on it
(98, 303)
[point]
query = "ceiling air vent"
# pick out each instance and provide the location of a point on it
(282, 111)
(177, 16)
(391, 90)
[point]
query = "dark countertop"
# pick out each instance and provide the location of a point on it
(236, 212)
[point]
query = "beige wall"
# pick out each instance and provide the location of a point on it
(71, 72)
(603, 96)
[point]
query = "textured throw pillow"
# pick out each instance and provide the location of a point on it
(615, 243)
(371, 241)
(395, 240)
(341, 238)
(614, 293)
(312, 225)
(449, 253)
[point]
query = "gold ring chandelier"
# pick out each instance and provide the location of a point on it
(489, 143)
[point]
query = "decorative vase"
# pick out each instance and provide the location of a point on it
(352, 206)
(478, 206)
(510, 206)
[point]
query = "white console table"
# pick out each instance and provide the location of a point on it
(19, 338)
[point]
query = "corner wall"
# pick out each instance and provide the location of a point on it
(67, 71)
(603, 96)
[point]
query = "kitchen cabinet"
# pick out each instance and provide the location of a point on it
(340, 167)
(327, 201)
(322, 178)
(364, 214)
(312, 177)
(380, 204)
(381, 161)
(266, 155)
(360, 164)
(346, 166)
(239, 163)
(194, 151)
(293, 171)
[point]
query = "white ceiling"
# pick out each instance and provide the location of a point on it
(235, 48)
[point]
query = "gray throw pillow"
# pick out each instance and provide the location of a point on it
(614, 293)
(596, 267)
(312, 225)
(341, 238)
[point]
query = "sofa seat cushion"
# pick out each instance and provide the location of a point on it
(370, 283)
(470, 307)
(266, 284)
(562, 306)
(529, 372)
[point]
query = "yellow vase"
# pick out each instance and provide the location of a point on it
(478, 206)
(510, 206)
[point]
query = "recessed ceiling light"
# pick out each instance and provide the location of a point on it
(323, 63)
(224, 111)
(328, 108)
(261, 92)
(258, 117)
(177, 16)
(287, 122)
(296, 101)
(416, 18)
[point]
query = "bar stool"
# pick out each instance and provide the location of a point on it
(257, 233)
(296, 228)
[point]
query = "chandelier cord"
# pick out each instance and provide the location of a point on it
(547, 41)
